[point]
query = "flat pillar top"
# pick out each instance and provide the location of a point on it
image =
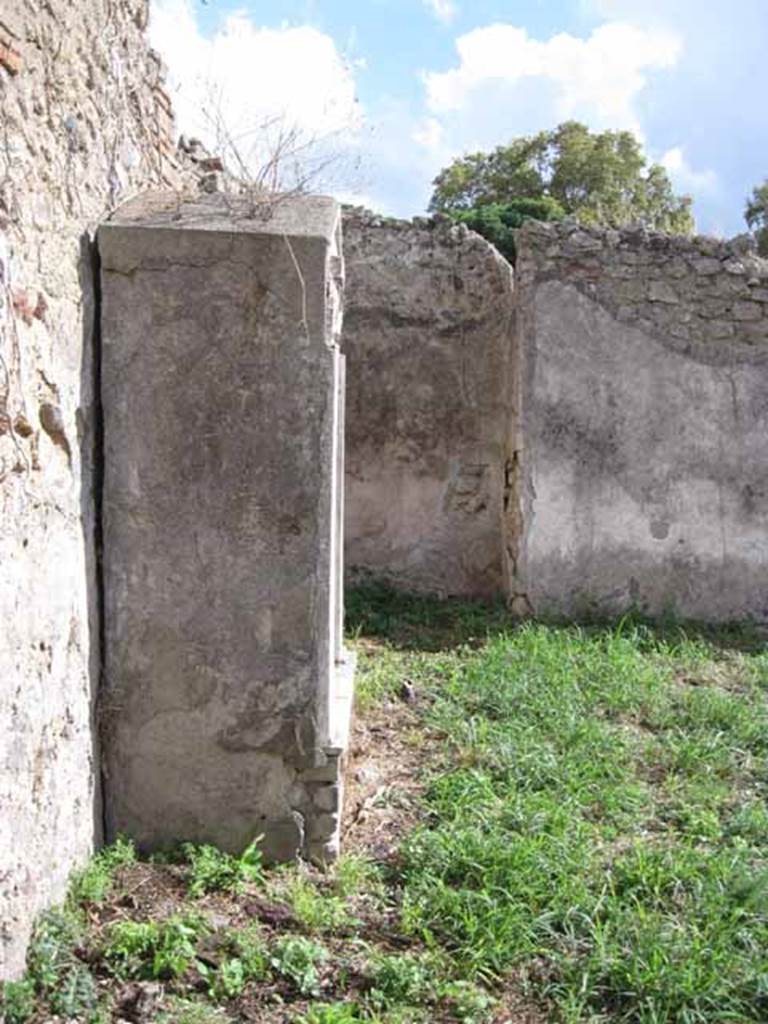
(295, 216)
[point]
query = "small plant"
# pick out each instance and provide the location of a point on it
(316, 910)
(18, 1001)
(154, 950)
(189, 1011)
(331, 1013)
(51, 950)
(212, 870)
(468, 1003)
(399, 979)
(55, 971)
(297, 959)
(355, 874)
(226, 981)
(94, 882)
(130, 944)
(102, 1014)
(76, 993)
(248, 946)
(246, 959)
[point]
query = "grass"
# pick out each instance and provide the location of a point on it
(592, 846)
(595, 824)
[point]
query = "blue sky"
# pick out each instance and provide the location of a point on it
(395, 88)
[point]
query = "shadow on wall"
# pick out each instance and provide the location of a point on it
(90, 437)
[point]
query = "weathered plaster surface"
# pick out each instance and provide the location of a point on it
(220, 386)
(644, 425)
(428, 335)
(83, 120)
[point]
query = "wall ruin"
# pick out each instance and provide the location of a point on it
(607, 455)
(428, 330)
(643, 375)
(592, 442)
(83, 122)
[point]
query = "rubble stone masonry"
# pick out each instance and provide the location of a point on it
(84, 122)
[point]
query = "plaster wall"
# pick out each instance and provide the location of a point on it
(643, 429)
(428, 336)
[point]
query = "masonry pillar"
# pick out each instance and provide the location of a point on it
(225, 705)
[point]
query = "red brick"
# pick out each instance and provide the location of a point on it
(10, 59)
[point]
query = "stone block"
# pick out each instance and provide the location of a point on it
(221, 384)
(707, 266)
(662, 291)
(324, 826)
(324, 853)
(747, 311)
(282, 839)
(326, 798)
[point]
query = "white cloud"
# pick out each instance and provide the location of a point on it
(429, 134)
(291, 78)
(443, 10)
(684, 177)
(596, 79)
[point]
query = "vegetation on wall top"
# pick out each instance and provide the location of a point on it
(597, 177)
(756, 216)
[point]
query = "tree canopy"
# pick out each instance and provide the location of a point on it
(497, 221)
(756, 216)
(597, 177)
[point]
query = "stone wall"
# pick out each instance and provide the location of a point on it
(226, 699)
(428, 333)
(83, 122)
(642, 476)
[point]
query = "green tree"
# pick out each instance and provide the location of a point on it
(598, 177)
(498, 221)
(756, 216)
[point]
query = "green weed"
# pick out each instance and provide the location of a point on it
(354, 874)
(227, 981)
(246, 959)
(94, 883)
(399, 979)
(467, 1003)
(18, 1001)
(158, 950)
(419, 622)
(297, 959)
(248, 945)
(331, 1013)
(315, 910)
(189, 1011)
(60, 978)
(212, 870)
